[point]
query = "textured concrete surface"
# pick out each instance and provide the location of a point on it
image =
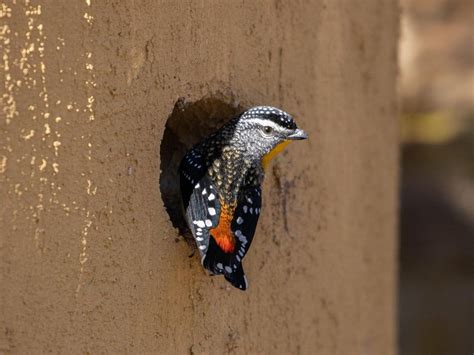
(90, 261)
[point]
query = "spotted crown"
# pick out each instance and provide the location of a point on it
(271, 113)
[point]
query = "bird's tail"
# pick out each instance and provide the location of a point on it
(219, 263)
(237, 278)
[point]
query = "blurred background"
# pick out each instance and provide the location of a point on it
(436, 292)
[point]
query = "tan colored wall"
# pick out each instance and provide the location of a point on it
(89, 259)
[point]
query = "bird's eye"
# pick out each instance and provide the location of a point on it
(267, 129)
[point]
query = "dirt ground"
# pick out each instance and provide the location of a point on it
(91, 261)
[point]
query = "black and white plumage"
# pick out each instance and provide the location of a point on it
(220, 180)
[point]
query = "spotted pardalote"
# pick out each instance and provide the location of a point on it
(221, 179)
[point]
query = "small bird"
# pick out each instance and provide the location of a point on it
(221, 180)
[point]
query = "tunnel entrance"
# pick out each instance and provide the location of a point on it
(188, 124)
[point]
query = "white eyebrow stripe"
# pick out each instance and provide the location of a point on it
(263, 122)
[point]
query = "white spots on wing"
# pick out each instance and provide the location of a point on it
(199, 239)
(190, 179)
(228, 269)
(197, 186)
(198, 233)
(219, 266)
(242, 238)
(202, 247)
(193, 159)
(212, 211)
(249, 200)
(204, 191)
(240, 220)
(200, 224)
(211, 197)
(245, 208)
(208, 223)
(257, 210)
(251, 210)
(238, 258)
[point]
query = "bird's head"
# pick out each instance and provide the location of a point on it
(265, 131)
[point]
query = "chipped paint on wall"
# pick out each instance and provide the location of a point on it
(91, 190)
(56, 145)
(3, 164)
(83, 257)
(25, 72)
(8, 99)
(47, 119)
(87, 16)
(29, 135)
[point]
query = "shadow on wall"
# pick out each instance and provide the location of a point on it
(188, 124)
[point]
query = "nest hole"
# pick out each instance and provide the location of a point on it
(188, 124)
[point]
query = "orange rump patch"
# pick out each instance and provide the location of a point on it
(222, 234)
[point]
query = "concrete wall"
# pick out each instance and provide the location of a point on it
(90, 261)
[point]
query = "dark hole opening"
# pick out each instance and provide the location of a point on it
(188, 124)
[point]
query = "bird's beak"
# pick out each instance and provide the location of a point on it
(298, 134)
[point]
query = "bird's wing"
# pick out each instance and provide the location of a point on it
(200, 200)
(243, 226)
(245, 220)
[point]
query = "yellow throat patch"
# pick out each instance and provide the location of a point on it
(270, 155)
